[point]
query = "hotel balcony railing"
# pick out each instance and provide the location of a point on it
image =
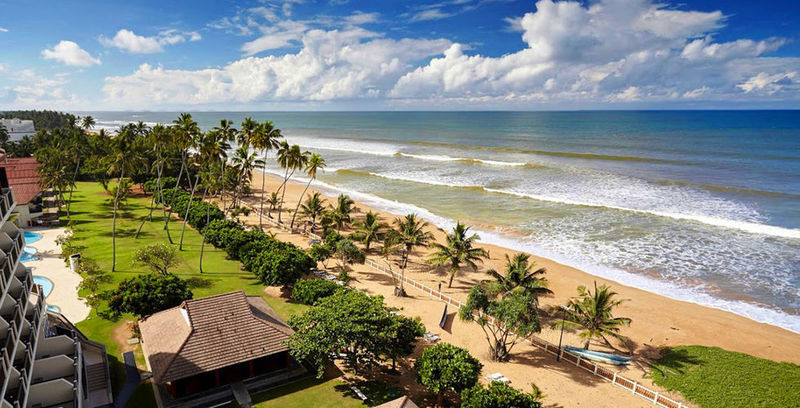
(6, 202)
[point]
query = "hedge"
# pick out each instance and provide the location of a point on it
(273, 262)
(308, 291)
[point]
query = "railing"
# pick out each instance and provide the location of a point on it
(6, 202)
(595, 369)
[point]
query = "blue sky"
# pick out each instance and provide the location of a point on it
(450, 54)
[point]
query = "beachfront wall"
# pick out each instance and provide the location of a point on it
(598, 370)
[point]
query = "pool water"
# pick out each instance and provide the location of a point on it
(46, 284)
(31, 237)
(29, 254)
(54, 308)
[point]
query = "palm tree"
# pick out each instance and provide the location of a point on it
(312, 208)
(77, 147)
(408, 233)
(184, 135)
(125, 156)
(87, 122)
(273, 200)
(245, 162)
(593, 312)
(227, 134)
(265, 138)
(370, 230)
(313, 164)
(341, 213)
(519, 277)
(291, 159)
(457, 250)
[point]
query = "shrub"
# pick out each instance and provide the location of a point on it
(497, 395)
(146, 294)
(217, 231)
(152, 184)
(158, 257)
(308, 291)
(282, 266)
(444, 367)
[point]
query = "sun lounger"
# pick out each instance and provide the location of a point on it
(359, 393)
(498, 377)
(431, 337)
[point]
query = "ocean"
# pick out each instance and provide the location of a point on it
(701, 206)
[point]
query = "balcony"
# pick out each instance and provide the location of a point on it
(7, 203)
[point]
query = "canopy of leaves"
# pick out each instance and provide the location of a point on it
(309, 291)
(497, 395)
(146, 294)
(445, 367)
(159, 257)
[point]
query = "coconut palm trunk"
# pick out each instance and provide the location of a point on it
(72, 186)
(188, 207)
(208, 217)
(177, 186)
(286, 177)
(297, 207)
(114, 222)
(263, 181)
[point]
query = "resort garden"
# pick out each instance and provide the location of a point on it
(155, 214)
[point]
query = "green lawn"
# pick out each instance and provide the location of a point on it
(92, 225)
(715, 378)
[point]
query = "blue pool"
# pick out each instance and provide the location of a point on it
(54, 308)
(46, 284)
(31, 237)
(29, 254)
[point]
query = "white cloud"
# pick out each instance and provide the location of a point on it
(598, 52)
(359, 18)
(29, 90)
(430, 14)
(3, 30)
(131, 42)
(70, 53)
(334, 64)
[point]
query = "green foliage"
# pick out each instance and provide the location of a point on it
(200, 211)
(320, 253)
(593, 314)
(217, 231)
(151, 185)
(347, 253)
(401, 336)
(497, 395)
(457, 251)
(43, 119)
(159, 257)
(309, 291)
(282, 266)
(517, 315)
(349, 322)
(445, 367)
(715, 378)
(146, 294)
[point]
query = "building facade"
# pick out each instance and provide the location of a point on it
(44, 360)
(18, 128)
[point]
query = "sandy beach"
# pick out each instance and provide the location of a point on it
(658, 321)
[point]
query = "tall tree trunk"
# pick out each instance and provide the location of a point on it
(72, 186)
(283, 186)
(164, 207)
(188, 207)
(452, 275)
(222, 185)
(263, 180)
(208, 217)
(294, 215)
(177, 186)
(114, 223)
(152, 204)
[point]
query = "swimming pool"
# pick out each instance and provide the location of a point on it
(29, 254)
(54, 308)
(31, 237)
(46, 284)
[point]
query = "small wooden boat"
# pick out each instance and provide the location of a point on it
(598, 356)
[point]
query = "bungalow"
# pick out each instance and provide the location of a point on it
(209, 351)
(18, 128)
(22, 175)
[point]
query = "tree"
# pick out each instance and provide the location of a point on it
(497, 395)
(282, 265)
(183, 137)
(160, 258)
(370, 230)
(445, 367)
(515, 318)
(125, 156)
(408, 233)
(312, 208)
(227, 134)
(88, 122)
(244, 162)
(265, 138)
(594, 313)
(146, 294)
(291, 159)
(3, 134)
(347, 322)
(273, 200)
(313, 164)
(309, 291)
(320, 253)
(519, 277)
(401, 337)
(458, 250)
(348, 253)
(341, 213)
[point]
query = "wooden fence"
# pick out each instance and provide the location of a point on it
(597, 370)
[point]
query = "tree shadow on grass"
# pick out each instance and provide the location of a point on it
(675, 362)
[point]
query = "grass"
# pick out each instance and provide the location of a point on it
(92, 226)
(715, 378)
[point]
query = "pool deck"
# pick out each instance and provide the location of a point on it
(65, 282)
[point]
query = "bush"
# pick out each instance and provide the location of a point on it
(152, 184)
(146, 294)
(497, 395)
(308, 291)
(217, 231)
(444, 367)
(282, 267)
(158, 257)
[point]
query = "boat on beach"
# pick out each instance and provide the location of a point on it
(598, 356)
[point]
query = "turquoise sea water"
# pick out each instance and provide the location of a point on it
(696, 205)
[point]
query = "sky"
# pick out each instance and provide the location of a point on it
(95, 55)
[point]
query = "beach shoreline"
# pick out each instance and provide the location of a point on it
(658, 321)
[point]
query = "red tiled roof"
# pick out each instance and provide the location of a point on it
(23, 178)
(203, 335)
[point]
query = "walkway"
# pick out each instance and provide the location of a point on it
(132, 380)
